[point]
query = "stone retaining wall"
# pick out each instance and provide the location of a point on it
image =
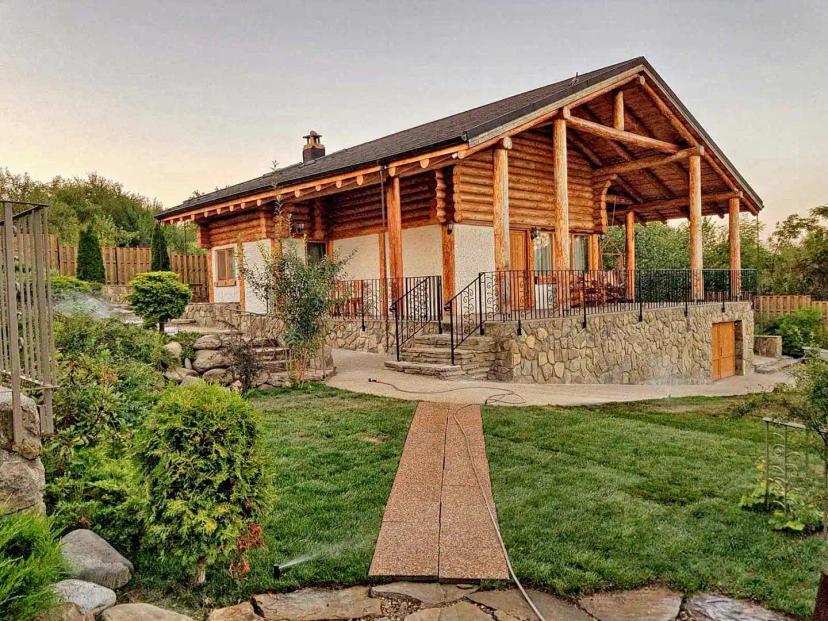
(216, 315)
(767, 345)
(376, 338)
(22, 479)
(616, 348)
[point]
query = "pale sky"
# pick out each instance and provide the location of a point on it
(169, 97)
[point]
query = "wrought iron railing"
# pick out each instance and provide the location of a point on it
(371, 298)
(540, 294)
(420, 304)
(26, 339)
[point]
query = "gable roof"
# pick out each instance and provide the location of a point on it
(456, 129)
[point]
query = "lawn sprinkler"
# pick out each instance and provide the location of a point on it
(277, 571)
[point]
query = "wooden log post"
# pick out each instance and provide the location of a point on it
(204, 242)
(500, 206)
(735, 244)
(629, 253)
(240, 274)
(383, 275)
(618, 111)
(696, 250)
(395, 256)
(562, 239)
(594, 252)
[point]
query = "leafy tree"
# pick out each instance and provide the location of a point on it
(90, 259)
(160, 255)
(158, 297)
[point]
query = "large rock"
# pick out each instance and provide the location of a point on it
(510, 605)
(318, 605)
(179, 373)
(649, 604)
(65, 612)
(239, 612)
(189, 380)
(141, 612)
(428, 593)
(91, 558)
(29, 446)
(218, 376)
(714, 607)
(174, 349)
(461, 611)
(22, 482)
(208, 341)
(89, 597)
(207, 359)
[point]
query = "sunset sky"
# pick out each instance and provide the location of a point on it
(170, 97)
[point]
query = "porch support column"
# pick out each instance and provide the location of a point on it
(629, 256)
(383, 273)
(594, 252)
(696, 250)
(561, 250)
(735, 247)
(395, 257)
(204, 242)
(500, 205)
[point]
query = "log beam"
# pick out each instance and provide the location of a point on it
(610, 133)
(500, 207)
(735, 245)
(629, 253)
(696, 250)
(561, 249)
(618, 111)
(393, 208)
(684, 201)
(649, 162)
(449, 261)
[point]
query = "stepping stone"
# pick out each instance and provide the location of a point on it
(714, 607)
(318, 605)
(428, 593)
(91, 558)
(91, 598)
(239, 612)
(509, 605)
(461, 611)
(141, 612)
(648, 604)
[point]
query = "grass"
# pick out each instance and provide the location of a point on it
(589, 498)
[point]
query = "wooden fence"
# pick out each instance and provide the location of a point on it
(122, 265)
(769, 307)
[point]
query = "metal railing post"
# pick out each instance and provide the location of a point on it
(396, 329)
(688, 286)
(440, 305)
(451, 327)
(638, 296)
(584, 297)
(480, 302)
(362, 302)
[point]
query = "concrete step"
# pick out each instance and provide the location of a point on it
(444, 340)
(775, 365)
(440, 371)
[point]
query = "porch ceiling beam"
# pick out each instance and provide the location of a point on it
(610, 133)
(662, 106)
(684, 201)
(596, 161)
(649, 162)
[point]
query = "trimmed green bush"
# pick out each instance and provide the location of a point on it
(78, 334)
(202, 466)
(158, 297)
(90, 259)
(63, 286)
(30, 561)
(798, 330)
(160, 261)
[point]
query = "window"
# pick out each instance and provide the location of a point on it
(226, 267)
(579, 252)
(543, 251)
(316, 251)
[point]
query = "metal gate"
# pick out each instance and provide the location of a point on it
(26, 341)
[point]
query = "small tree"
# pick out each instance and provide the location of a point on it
(301, 294)
(160, 255)
(203, 468)
(90, 259)
(158, 297)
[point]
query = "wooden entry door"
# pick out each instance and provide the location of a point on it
(724, 350)
(521, 286)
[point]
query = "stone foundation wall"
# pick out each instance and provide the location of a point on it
(216, 315)
(616, 348)
(22, 479)
(376, 338)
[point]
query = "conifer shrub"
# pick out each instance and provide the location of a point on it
(157, 297)
(90, 259)
(160, 258)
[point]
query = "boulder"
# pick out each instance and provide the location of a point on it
(510, 605)
(91, 558)
(189, 380)
(715, 607)
(461, 611)
(218, 376)
(174, 349)
(91, 598)
(188, 364)
(29, 446)
(318, 605)
(239, 612)
(428, 593)
(179, 373)
(65, 612)
(207, 359)
(648, 604)
(22, 482)
(208, 341)
(141, 612)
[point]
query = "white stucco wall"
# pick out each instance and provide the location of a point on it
(473, 252)
(422, 251)
(253, 259)
(364, 256)
(296, 245)
(223, 294)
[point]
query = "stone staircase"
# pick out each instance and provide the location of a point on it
(273, 364)
(430, 354)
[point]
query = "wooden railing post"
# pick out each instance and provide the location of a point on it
(13, 326)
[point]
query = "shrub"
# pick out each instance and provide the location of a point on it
(202, 467)
(803, 514)
(90, 259)
(160, 255)
(798, 330)
(63, 286)
(158, 297)
(78, 334)
(30, 561)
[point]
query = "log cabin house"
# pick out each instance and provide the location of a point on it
(488, 224)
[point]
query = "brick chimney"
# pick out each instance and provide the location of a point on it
(313, 147)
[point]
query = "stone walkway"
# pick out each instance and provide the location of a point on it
(354, 369)
(436, 523)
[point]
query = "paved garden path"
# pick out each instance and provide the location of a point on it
(436, 522)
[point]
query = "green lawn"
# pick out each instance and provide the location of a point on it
(588, 498)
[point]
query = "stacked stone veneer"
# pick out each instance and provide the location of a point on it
(22, 479)
(210, 315)
(616, 348)
(377, 337)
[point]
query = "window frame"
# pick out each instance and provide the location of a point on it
(226, 259)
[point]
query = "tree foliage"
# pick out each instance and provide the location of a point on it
(160, 255)
(157, 297)
(90, 258)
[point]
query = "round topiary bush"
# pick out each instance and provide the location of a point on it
(202, 466)
(157, 297)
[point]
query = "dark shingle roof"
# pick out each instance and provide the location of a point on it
(455, 129)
